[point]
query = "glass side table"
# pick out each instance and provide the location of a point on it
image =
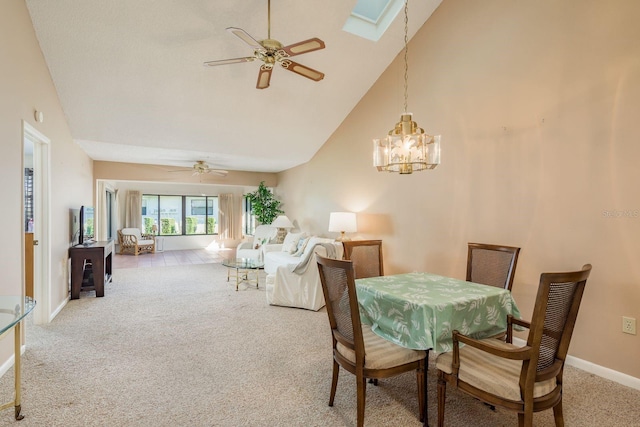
(242, 269)
(13, 310)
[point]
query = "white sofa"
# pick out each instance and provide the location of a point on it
(253, 249)
(292, 283)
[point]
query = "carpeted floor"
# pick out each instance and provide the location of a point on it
(178, 346)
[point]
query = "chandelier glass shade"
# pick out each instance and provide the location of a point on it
(407, 148)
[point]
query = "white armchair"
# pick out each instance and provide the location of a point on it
(253, 249)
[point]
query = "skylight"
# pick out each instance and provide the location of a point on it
(371, 18)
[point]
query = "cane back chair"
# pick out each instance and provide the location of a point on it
(366, 256)
(492, 265)
(355, 347)
(522, 379)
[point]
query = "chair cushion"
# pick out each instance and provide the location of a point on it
(263, 231)
(380, 353)
(132, 231)
(258, 242)
(494, 374)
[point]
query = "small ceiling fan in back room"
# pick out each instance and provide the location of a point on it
(200, 167)
(272, 52)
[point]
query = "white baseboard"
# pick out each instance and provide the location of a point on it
(601, 371)
(4, 368)
(59, 308)
(592, 368)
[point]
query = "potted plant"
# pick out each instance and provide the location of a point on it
(264, 205)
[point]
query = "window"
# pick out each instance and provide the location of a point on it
(150, 212)
(248, 218)
(371, 18)
(170, 215)
(179, 215)
(201, 214)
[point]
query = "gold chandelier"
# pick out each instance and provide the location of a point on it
(406, 148)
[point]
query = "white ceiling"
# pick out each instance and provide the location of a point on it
(130, 78)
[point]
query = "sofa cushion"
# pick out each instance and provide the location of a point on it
(290, 243)
(302, 244)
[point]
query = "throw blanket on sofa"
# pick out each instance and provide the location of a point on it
(301, 267)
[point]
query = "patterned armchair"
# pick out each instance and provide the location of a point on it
(131, 240)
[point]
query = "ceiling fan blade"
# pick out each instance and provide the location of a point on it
(218, 172)
(264, 77)
(229, 61)
(304, 71)
(304, 46)
(245, 37)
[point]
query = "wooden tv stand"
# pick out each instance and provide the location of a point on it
(100, 256)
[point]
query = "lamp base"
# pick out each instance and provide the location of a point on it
(281, 235)
(343, 238)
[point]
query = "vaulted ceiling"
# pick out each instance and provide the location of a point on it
(131, 80)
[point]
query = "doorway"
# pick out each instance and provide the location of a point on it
(36, 211)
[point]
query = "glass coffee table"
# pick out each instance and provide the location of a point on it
(242, 269)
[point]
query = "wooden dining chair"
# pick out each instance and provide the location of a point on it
(366, 256)
(355, 346)
(524, 379)
(492, 265)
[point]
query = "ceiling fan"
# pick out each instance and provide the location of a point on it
(271, 51)
(200, 167)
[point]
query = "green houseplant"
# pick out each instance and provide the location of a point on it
(264, 205)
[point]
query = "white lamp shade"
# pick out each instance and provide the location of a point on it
(343, 221)
(282, 222)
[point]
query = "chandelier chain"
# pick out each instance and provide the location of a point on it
(406, 54)
(406, 148)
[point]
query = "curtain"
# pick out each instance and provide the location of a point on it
(229, 216)
(133, 210)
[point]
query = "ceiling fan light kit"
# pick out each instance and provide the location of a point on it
(271, 52)
(201, 167)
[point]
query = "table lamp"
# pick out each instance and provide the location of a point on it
(281, 223)
(342, 222)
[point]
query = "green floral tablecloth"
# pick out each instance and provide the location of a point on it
(420, 310)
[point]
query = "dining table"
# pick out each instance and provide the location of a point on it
(421, 310)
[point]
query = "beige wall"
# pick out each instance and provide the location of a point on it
(115, 171)
(538, 106)
(25, 85)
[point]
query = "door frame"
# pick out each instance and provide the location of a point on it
(42, 220)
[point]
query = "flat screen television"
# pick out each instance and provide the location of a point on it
(87, 225)
(74, 226)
